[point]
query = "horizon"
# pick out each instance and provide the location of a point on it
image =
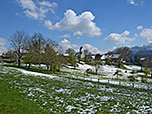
(98, 26)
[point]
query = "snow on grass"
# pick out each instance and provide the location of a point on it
(33, 73)
(80, 75)
(135, 67)
(84, 66)
(78, 96)
(69, 107)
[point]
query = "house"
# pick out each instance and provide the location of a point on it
(1, 57)
(113, 57)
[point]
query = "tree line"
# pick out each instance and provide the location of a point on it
(38, 50)
(35, 49)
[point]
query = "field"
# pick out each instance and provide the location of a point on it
(56, 94)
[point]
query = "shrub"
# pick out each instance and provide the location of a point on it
(108, 62)
(143, 80)
(146, 71)
(131, 78)
(122, 66)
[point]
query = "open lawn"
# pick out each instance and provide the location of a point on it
(13, 102)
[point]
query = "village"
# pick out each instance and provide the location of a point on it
(75, 56)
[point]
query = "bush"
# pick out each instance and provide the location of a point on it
(122, 66)
(143, 80)
(9, 61)
(91, 72)
(131, 78)
(133, 72)
(108, 62)
(146, 71)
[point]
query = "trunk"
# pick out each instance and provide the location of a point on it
(19, 62)
(96, 71)
(40, 66)
(47, 68)
(29, 65)
(58, 69)
(54, 68)
(51, 67)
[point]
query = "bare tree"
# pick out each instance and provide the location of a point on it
(18, 43)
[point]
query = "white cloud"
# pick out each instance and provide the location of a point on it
(120, 38)
(65, 44)
(78, 37)
(38, 11)
(3, 50)
(48, 24)
(27, 4)
(135, 35)
(147, 33)
(75, 46)
(65, 36)
(135, 2)
(79, 25)
(131, 2)
(92, 49)
(48, 4)
(139, 27)
(108, 50)
(3, 43)
(31, 14)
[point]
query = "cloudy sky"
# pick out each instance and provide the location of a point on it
(98, 25)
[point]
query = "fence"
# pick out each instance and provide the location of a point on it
(108, 81)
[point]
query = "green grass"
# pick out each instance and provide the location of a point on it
(57, 95)
(13, 102)
(94, 73)
(69, 74)
(36, 69)
(122, 67)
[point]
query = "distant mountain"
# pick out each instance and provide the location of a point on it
(143, 49)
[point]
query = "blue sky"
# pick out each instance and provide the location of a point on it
(98, 25)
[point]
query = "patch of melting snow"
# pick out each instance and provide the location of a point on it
(64, 91)
(30, 94)
(44, 103)
(104, 98)
(69, 107)
(61, 90)
(36, 89)
(33, 73)
(107, 89)
(40, 90)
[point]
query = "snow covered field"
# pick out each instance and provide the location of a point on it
(64, 95)
(91, 78)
